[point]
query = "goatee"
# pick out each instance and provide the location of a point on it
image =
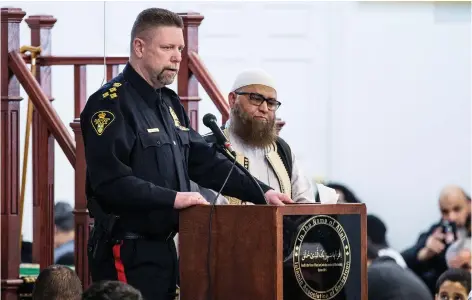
(256, 133)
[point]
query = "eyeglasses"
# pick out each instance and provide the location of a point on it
(257, 100)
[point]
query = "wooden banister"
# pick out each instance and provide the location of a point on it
(42, 104)
(209, 84)
(77, 60)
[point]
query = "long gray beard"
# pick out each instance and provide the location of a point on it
(254, 133)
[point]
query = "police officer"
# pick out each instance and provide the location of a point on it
(141, 154)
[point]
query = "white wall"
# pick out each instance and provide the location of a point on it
(376, 95)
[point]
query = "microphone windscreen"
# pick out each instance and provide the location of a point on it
(208, 119)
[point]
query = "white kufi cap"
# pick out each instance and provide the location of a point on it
(253, 76)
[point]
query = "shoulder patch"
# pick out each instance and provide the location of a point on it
(101, 120)
(112, 91)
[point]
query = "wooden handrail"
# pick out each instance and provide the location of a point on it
(209, 84)
(196, 66)
(42, 104)
(76, 60)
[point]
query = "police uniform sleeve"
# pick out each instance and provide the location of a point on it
(209, 168)
(108, 141)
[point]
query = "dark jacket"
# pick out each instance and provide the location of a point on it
(430, 270)
(389, 281)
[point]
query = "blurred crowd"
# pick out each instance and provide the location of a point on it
(437, 266)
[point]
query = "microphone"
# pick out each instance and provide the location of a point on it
(209, 120)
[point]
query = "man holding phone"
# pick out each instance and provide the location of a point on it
(427, 257)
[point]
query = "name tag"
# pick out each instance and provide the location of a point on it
(150, 130)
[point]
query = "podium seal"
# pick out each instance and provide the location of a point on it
(321, 257)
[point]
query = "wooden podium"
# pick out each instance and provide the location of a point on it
(292, 252)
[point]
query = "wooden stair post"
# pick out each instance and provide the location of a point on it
(82, 219)
(10, 155)
(187, 84)
(43, 152)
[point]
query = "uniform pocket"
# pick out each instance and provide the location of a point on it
(155, 139)
(183, 137)
(155, 160)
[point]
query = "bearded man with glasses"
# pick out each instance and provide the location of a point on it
(252, 133)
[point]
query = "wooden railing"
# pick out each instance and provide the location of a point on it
(42, 104)
(48, 127)
(209, 84)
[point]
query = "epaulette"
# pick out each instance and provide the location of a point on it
(110, 90)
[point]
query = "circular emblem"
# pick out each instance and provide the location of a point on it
(321, 257)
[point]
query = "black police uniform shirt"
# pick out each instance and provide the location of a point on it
(140, 150)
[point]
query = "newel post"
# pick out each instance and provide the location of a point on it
(187, 84)
(43, 151)
(10, 154)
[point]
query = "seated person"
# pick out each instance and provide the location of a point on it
(26, 252)
(57, 282)
(427, 257)
(63, 234)
(252, 133)
(453, 284)
(377, 235)
(458, 255)
(389, 281)
(111, 290)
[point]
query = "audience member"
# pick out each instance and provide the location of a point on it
(458, 255)
(111, 290)
(427, 257)
(389, 281)
(377, 235)
(26, 252)
(453, 284)
(57, 282)
(64, 234)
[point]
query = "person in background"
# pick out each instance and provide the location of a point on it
(389, 281)
(427, 257)
(252, 133)
(57, 282)
(64, 234)
(26, 252)
(111, 290)
(377, 235)
(453, 284)
(458, 255)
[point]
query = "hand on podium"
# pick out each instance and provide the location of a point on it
(186, 199)
(276, 198)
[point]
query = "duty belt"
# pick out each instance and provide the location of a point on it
(134, 236)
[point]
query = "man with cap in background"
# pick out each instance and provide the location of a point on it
(63, 234)
(251, 131)
(377, 237)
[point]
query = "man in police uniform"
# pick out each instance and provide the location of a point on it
(141, 154)
(252, 133)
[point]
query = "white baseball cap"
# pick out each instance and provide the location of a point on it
(253, 76)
